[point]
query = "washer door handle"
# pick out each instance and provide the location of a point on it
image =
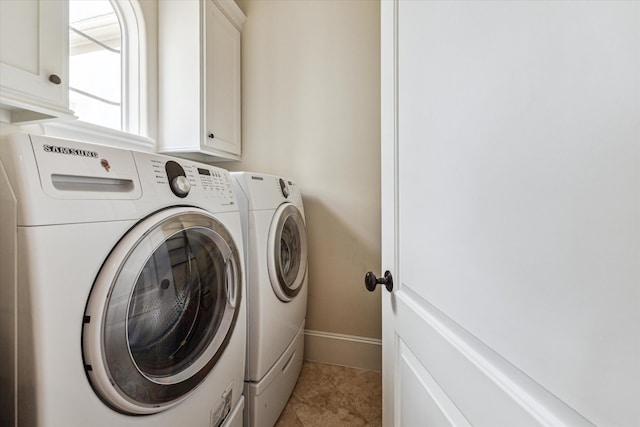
(231, 284)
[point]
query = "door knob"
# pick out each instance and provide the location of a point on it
(371, 281)
(55, 79)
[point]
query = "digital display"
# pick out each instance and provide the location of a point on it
(204, 171)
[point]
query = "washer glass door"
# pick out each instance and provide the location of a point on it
(162, 310)
(287, 253)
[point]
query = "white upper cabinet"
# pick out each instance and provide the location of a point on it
(34, 83)
(199, 74)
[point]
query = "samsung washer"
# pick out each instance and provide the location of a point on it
(122, 289)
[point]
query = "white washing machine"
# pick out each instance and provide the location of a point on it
(276, 257)
(122, 296)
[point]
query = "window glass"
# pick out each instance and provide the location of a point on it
(95, 62)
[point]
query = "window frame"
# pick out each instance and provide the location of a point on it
(131, 89)
(134, 94)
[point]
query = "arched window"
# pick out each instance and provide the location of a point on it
(105, 46)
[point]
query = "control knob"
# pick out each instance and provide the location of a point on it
(284, 188)
(180, 186)
(178, 181)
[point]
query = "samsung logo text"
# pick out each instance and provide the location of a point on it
(70, 151)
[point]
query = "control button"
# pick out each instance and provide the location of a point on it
(283, 187)
(180, 186)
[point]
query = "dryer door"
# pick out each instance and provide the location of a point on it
(287, 252)
(162, 310)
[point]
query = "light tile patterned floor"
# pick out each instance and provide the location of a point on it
(336, 396)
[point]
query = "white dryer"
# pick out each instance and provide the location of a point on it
(276, 257)
(122, 299)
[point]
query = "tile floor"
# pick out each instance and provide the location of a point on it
(336, 396)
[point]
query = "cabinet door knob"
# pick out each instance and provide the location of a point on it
(55, 79)
(211, 136)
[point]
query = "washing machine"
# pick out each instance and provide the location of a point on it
(273, 220)
(122, 290)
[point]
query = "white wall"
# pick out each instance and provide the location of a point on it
(311, 112)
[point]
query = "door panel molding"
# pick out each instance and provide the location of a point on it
(432, 407)
(474, 375)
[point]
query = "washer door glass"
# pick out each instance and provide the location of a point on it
(287, 254)
(162, 310)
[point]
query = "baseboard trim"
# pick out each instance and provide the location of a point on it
(346, 350)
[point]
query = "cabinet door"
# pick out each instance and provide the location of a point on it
(33, 52)
(222, 82)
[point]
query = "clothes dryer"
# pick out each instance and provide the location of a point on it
(122, 299)
(276, 257)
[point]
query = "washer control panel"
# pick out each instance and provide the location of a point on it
(216, 181)
(186, 179)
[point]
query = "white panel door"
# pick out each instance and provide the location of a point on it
(511, 213)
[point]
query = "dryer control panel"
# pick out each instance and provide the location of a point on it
(265, 191)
